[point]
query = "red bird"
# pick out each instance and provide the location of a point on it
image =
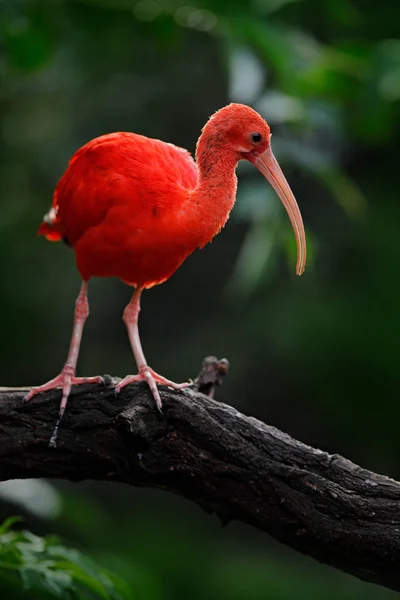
(135, 208)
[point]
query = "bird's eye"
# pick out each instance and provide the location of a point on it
(255, 138)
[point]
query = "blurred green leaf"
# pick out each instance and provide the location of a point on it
(9, 523)
(53, 570)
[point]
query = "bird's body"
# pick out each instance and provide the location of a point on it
(119, 205)
(135, 208)
(126, 205)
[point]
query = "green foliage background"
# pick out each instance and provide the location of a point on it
(326, 75)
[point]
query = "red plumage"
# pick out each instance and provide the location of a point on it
(117, 205)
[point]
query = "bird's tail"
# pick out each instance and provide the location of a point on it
(50, 224)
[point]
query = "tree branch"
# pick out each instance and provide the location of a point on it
(232, 465)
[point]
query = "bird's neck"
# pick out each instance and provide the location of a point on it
(214, 196)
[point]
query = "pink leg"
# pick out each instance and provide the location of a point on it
(67, 378)
(131, 318)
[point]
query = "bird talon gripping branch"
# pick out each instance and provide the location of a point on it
(64, 381)
(152, 379)
(136, 208)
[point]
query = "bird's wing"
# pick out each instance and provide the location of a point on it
(142, 175)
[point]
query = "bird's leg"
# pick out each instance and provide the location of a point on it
(67, 378)
(146, 373)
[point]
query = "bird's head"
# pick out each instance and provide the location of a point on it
(238, 129)
(240, 132)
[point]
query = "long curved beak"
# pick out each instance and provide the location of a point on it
(267, 164)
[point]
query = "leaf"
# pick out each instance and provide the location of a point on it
(52, 570)
(41, 578)
(8, 523)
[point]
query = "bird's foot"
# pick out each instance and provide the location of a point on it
(65, 380)
(152, 378)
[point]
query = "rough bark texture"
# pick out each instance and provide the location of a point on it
(232, 465)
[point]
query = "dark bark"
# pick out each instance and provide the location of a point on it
(232, 465)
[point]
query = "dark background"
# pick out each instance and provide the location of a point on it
(316, 356)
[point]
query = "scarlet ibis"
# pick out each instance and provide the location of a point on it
(135, 208)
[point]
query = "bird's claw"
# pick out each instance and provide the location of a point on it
(152, 379)
(65, 380)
